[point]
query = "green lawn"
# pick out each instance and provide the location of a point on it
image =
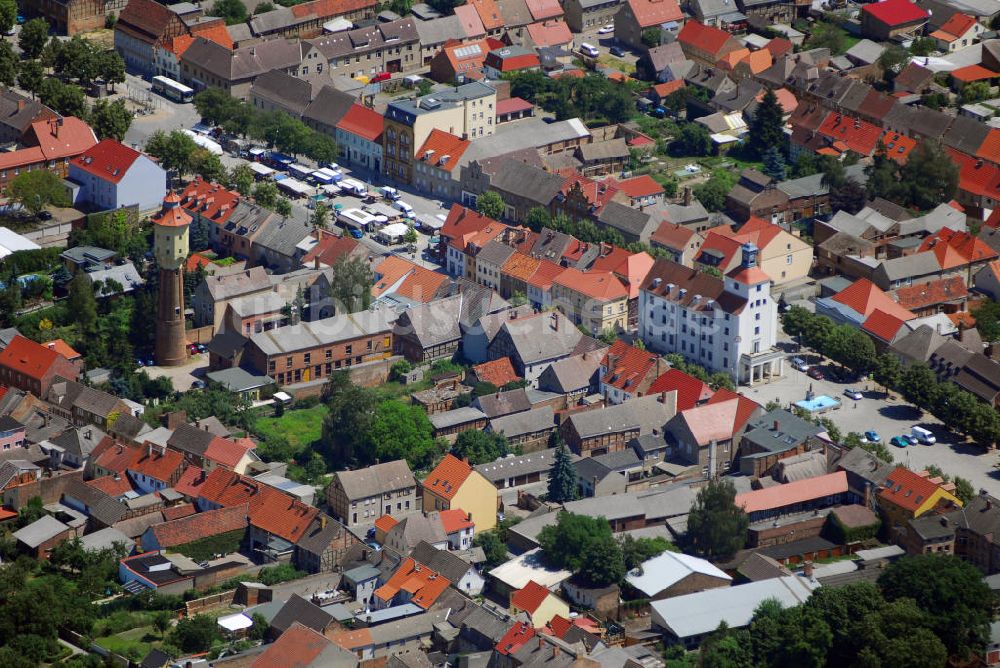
(143, 639)
(301, 427)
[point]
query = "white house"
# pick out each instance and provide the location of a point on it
(724, 324)
(957, 33)
(112, 175)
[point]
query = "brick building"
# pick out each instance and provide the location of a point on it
(32, 367)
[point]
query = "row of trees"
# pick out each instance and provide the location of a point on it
(924, 611)
(956, 408)
(276, 128)
(593, 98)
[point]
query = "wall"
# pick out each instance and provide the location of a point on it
(49, 489)
(786, 533)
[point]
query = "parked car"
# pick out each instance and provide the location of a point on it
(853, 394)
(799, 364)
(872, 436)
(815, 373)
(922, 435)
(355, 232)
(617, 51)
(900, 441)
(604, 30)
(381, 76)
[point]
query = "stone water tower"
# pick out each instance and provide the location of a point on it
(170, 245)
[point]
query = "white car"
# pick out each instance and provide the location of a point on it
(604, 30)
(692, 169)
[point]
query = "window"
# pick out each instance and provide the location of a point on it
(288, 362)
(788, 259)
(348, 349)
(756, 330)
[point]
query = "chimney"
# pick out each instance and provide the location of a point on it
(807, 569)
(541, 643)
(777, 425)
(322, 521)
(687, 195)
(316, 262)
(663, 398)
(20, 105)
(555, 321)
(149, 449)
(555, 652)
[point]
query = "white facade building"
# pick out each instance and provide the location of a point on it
(723, 324)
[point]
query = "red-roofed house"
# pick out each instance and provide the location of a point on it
(175, 533)
(32, 367)
(691, 392)
(884, 20)
(641, 190)
(490, 15)
(497, 372)
(458, 527)
(158, 468)
(550, 33)
(516, 637)
(862, 298)
(906, 495)
(411, 583)
(510, 59)
(301, 646)
(543, 10)
(455, 484)
(436, 160)
(636, 16)
(595, 300)
(627, 372)
(682, 243)
(843, 133)
(397, 275)
(884, 328)
(540, 604)
(711, 432)
(958, 32)
(232, 454)
(704, 44)
(783, 256)
(795, 497)
(47, 144)
(330, 248)
(513, 109)
(970, 73)
(947, 295)
(958, 249)
(359, 136)
(112, 175)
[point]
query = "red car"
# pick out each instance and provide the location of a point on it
(381, 76)
(815, 373)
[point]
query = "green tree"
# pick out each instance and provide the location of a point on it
(562, 486)
(68, 99)
(111, 67)
(402, 431)
(346, 425)
(887, 370)
(826, 35)
(241, 178)
(8, 15)
(283, 207)
(322, 148)
(585, 546)
(320, 217)
(774, 164)
(538, 217)
(34, 34)
(207, 165)
(30, 76)
(693, 140)
(849, 196)
(717, 527)
(988, 320)
(964, 490)
(767, 128)
(892, 61)
(110, 119)
(712, 193)
(195, 634)
(651, 37)
(215, 106)
(83, 305)
(174, 150)
(951, 591)
(233, 11)
(36, 190)
(490, 204)
(930, 175)
(266, 194)
(923, 46)
(162, 621)
(351, 283)
(637, 550)
(726, 649)
(480, 447)
(975, 91)
(262, 8)
(493, 548)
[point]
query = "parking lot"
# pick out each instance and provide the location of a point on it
(888, 417)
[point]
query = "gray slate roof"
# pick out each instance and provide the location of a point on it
(528, 422)
(531, 183)
(322, 332)
(442, 561)
(378, 478)
(792, 431)
(41, 530)
(456, 417)
(643, 413)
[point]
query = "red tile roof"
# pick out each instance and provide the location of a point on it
(172, 214)
(56, 141)
(298, 647)
(544, 9)
(703, 38)
(228, 452)
(455, 520)
(786, 99)
(800, 491)
(447, 477)
(864, 297)
(385, 523)
(447, 150)
(954, 28)
(744, 410)
(513, 105)
(489, 13)
(640, 186)
(690, 390)
(627, 366)
(907, 489)
(108, 160)
(271, 510)
(749, 275)
(779, 46)
(973, 73)
(599, 285)
(191, 481)
(62, 348)
(422, 584)
(665, 89)
(516, 637)
(362, 122)
(896, 12)
(915, 297)
(497, 372)
(545, 275)
(116, 457)
(208, 200)
(976, 176)
(504, 60)
(158, 465)
(418, 283)
(214, 32)
(529, 597)
(955, 249)
(329, 8)
(550, 33)
(349, 639)
(28, 358)
(897, 146)
(882, 325)
(471, 23)
(177, 512)
(111, 485)
(672, 235)
(200, 525)
(858, 135)
(990, 148)
(329, 249)
(649, 13)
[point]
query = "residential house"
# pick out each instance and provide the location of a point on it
(586, 15)
(656, 65)
(538, 603)
(705, 44)
(307, 19)
(357, 498)
(18, 112)
(199, 526)
(723, 324)
(627, 372)
(39, 538)
(756, 195)
(600, 431)
(709, 435)
(390, 46)
(84, 405)
(680, 242)
(800, 496)
(675, 574)
(775, 436)
(11, 433)
(359, 136)
(156, 469)
(77, 16)
(574, 377)
(906, 495)
(48, 144)
(882, 21)
(528, 429)
(410, 584)
(533, 343)
(328, 108)
(454, 484)
(208, 64)
(638, 16)
(784, 257)
(408, 282)
(435, 163)
(143, 24)
(112, 175)
(462, 575)
(958, 32)
(855, 304)
(594, 300)
(510, 60)
(460, 61)
(403, 535)
(33, 367)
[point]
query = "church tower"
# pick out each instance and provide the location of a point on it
(170, 245)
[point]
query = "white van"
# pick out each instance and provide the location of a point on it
(404, 207)
(589, 50)
(924, 436)
(353, 187)
(390, 193)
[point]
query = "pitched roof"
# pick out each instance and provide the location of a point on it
(158, 465)
(848, 133)
(529, 597)
(200, 525)
(627, 365)
(640, 186)
(544, 9)
(690, 390)
(447, 477)
(896, 12)
(446, 150)
(915, 297)
(650, 13)
(882, 325)
(422, 584)
(298, 647)
(381, 478)
(24, 356)
(362, 122)
(971, 73)
(954, 27)
(907, 489)
(497, 372)
(455, 519)
(703, 38)
(955, 249)
(599, 285)
(865, 297)
(800, 491)
(489, 13)
(108, 160)
(550, 33)
(228, 452)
